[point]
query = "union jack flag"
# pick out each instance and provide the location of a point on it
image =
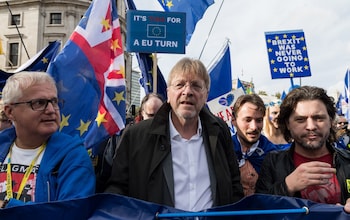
(90, 76)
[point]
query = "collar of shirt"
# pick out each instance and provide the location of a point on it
(174, 133)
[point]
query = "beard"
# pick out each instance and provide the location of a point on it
(311, 145)
(243, 137)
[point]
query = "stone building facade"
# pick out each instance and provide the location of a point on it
(27, 26)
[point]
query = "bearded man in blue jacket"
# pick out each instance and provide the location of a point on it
(38, 163)
(249, 144)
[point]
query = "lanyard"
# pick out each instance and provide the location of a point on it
(9, 191)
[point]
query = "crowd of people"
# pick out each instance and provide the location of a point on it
(177, 153)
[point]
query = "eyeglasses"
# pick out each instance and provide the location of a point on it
(194, 86)
(342, 123)
(41, 104)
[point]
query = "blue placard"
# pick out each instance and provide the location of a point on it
(156, 32)
(287, 54)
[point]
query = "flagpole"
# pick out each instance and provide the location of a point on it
(154, 72)
(206, 41)
(19, 33)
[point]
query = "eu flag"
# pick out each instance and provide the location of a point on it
(90, 77)
(146, 66)
(3, 77)
(194, 10)
(42, 59)
(220, 74)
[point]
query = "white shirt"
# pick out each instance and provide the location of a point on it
(191, 174)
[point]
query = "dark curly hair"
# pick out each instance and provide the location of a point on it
(305, 93)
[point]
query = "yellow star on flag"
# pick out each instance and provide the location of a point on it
(83, 127)
(122, 70)
(100, 118)
(64, 121)
(119, 96)
(45, 60)
(169, 4)
(115, 45)
(105, 23)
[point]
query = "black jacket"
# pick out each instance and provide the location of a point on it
(143, 166)
(277, 165)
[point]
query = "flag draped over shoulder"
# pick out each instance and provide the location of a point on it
(146, 65)
(89, 72)
(220, 74)
(194, 10)
(42, 59)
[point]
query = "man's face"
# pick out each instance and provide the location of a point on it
(342, 123)
(187, 95)
(150, 107)
(35, 124)
(249, 123)
(310, 125)
(274, 112)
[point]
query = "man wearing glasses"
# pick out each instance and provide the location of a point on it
(38, 163)
(342, 132)
(183, 157)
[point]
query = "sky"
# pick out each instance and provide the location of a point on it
(326, 26)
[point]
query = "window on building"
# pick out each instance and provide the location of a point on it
(56, 18)
(13, 56)
(16, 19)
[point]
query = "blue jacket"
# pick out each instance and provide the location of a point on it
(65, 171)
(257, 157)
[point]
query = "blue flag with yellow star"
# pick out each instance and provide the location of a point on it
(42, 59)
(194, 10)
(90, 77)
